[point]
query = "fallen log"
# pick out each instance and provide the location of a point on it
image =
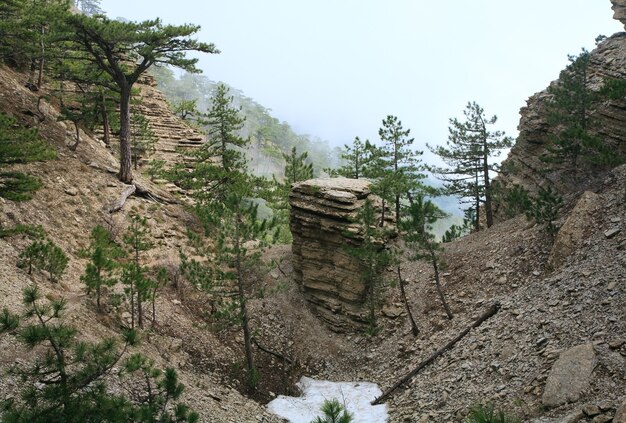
(270, 352)
(119, 203)
(406, 378)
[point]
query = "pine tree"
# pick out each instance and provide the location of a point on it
(383, 180)
(374, 257)
(125, 51)
(44, 255)
(20, 145)
(296, 167)
(355, 158)
(29, 35)
(143, 139)
(277, 194)
(216, 161)
(68, 381)
(571, 115)
(469, 154)
(134, 274)
(422, 214)
(233, 222)
(102, 252)
(155, 392)
(400, 161)
(334, 412)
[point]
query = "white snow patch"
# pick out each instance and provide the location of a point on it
(355, 396)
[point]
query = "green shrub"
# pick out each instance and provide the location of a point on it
(488, 414)
(32, 231)
(516, 201)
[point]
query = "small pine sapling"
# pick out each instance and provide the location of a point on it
(137, 240)
(44, 255)
(334, 412)
(545, 208)
(102, 252)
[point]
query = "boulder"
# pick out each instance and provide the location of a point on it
(620, 414)
(575, 229)
(570, 376)
(323, 226)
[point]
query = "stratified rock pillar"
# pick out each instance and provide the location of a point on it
(323, 213)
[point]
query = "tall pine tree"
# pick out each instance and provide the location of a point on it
(400, 162)
(125, 51)
(469, 154)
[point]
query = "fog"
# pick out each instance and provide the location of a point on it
(334, 69)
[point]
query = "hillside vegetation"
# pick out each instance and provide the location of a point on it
(142, 281)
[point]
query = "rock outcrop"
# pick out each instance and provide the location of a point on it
(524, 166)
(619, 10)
(174, 135)
(323, 213)
(575, 229)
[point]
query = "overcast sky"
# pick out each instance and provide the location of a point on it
(335, 68)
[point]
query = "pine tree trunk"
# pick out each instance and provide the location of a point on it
(488, 209)
(126, 172)
(154, 307)
(132, 304)
(477, 200)
(41, 59)
(397, 210)
(414, 329)
(245, 323)
(106, 128)
(139, 310)
(433, 259)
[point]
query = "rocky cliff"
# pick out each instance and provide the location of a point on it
(619, 10)
(323, 214)
(524, 166)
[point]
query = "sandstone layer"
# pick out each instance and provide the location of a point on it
(323, 213)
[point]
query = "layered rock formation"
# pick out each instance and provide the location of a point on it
(619, 10)
(524, 166)
(323, 213)
(174, 135)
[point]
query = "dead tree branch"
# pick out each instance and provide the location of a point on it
(486, 315)
(270, 352)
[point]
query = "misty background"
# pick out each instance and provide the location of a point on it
(335, 69)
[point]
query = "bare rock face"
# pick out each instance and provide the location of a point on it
(620, 414)
(524, 166)
(323, 212)
(570, 376)
(619, 10)
(575, 229)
